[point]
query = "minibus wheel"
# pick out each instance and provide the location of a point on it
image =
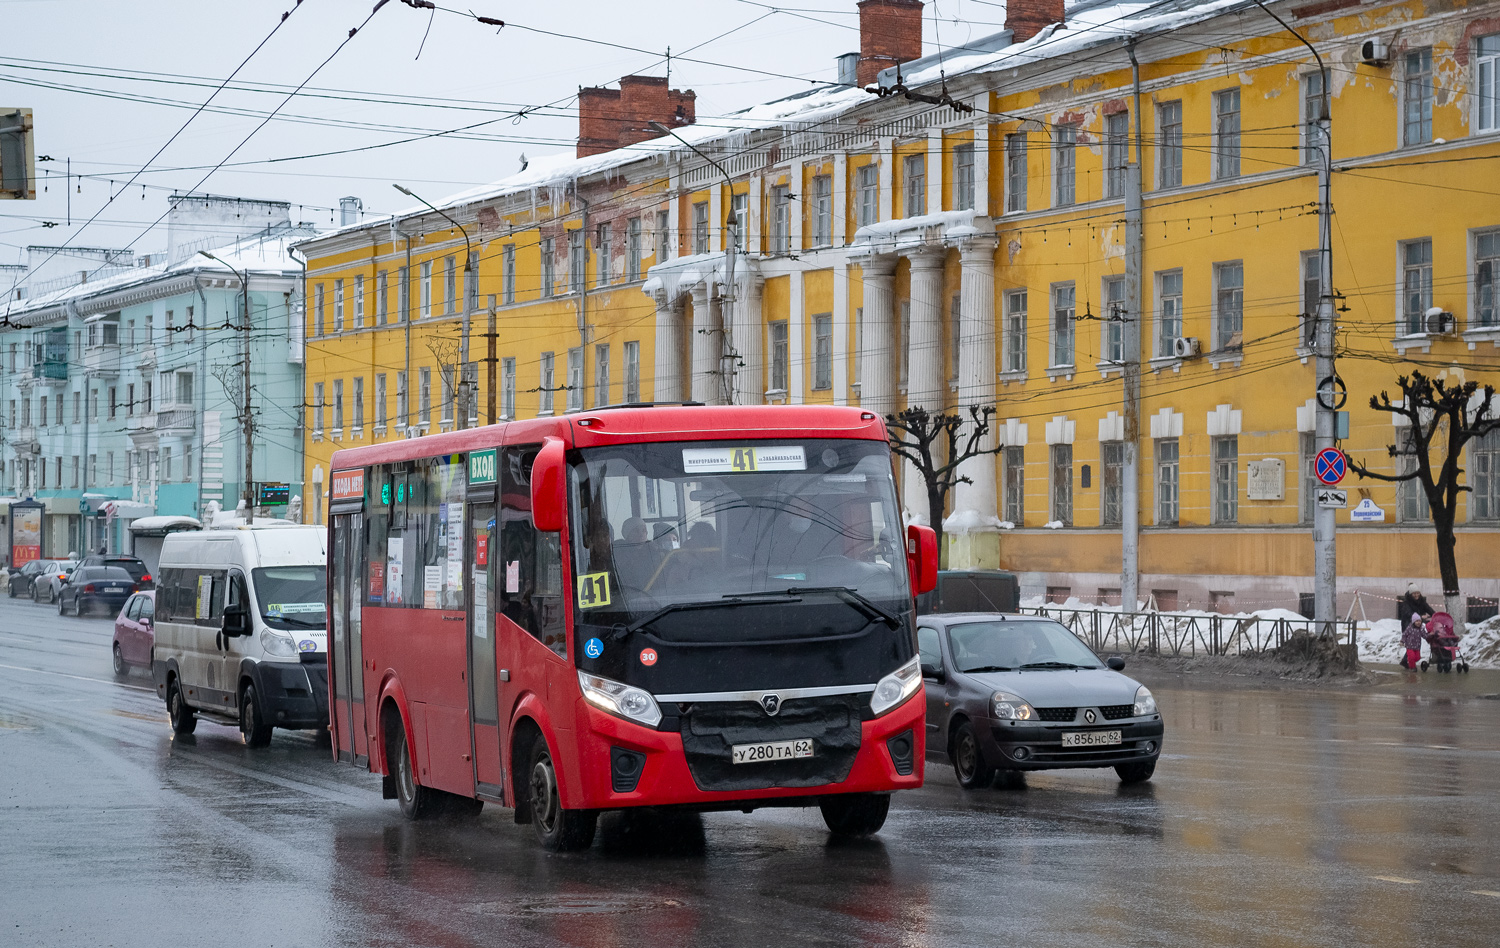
(184, 721)
(557, 829)
(253, 727)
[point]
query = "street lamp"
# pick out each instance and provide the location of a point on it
(470, 290)
(729, 357)
(247, 421)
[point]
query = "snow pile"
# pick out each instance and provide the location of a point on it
(1380, 641)
(961, 523)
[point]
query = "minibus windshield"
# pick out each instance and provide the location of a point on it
(292, 597)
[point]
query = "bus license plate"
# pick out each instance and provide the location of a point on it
(1090, 738)
(772, 750)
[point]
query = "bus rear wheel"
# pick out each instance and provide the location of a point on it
(557, 829)
(855, 814)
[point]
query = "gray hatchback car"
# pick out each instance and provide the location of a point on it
(1010, 693)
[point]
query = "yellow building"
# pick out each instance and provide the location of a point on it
(966, 244)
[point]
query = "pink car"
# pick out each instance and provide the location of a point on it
(134, 637)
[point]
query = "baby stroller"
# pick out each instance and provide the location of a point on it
(1443, 644)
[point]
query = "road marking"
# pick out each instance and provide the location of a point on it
(1396, 879)
(102, 681)
(1493, 895)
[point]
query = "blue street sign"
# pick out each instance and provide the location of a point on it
(1330, 466)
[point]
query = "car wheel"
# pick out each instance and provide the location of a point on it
(184, 721)
(253, 728)
(10, 589)
(1136, 773)
(557, 829)
(968, 761)
(417, 802)
(120, 668)
(855, 814)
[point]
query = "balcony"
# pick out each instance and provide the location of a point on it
(176, 419)
(102, 360)
(142, 430)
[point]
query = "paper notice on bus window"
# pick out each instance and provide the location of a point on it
(481, 604)
(432, 584)
(205, 597)
(393, 572)
(512, 577)
(744, 460)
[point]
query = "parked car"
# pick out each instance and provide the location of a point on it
(21, 578)
(132, 564)
(1008, 693)
(134, 633)
(52, 578)
(93, 586)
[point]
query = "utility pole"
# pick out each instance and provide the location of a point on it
(471, 290)
(1130, 370)
(490, 360)
(247, 418)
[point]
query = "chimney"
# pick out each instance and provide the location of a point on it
(1027, 18)
(848, 69)
(349, 210)
(612, 118)
(890, 32)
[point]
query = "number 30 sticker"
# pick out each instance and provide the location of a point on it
(593, 590)
(648, 656)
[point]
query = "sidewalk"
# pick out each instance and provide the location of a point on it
(1254, 674)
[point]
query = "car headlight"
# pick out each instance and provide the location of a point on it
(896, 687)
(277, 644)
(1144, 702)
(1009, 707)
(622, 700)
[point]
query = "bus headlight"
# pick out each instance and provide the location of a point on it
(624, 701)
(896, 687)
(277, 644)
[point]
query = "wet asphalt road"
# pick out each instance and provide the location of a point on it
(1286, 818)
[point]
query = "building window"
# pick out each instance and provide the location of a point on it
(508, 274)
(549, 266)
(359, 302)
(963, 177)
(603, 238)
(1484, 477)
(1015, 331)
(601, 375)
(867, 184)
(1227, 133)
(633, 249)
(382, 299)
(1486, 280)
(425, 288)
(1166, 482)
(317, 407)
(1312, 113)
(1116, 153)
(450, 284)
(1226, 479)
(780, 368)
(318, 314)
(1416, 285)
(823, 351)
(166, 460)
(1487, 100)
(338, 307)
(1169, 136)
(445, 379)
(1015, 172)
(1312, 295)
(859, 344)
(508, 388)
(1229, 305)
(338, 407)
(403, 402)
(914, 174)
(403, 294)
(1416, 97)
(77, 407)
(955, 335)
(1062, 484)
(632, 373)
(739, 218)
(577, 260)
(1111, 482)
(1013, 467)
(575, 379)
(1169, 311)
(1064, 303)
(700, 227)
(359, 403)
(822, 210)
(1065, 165)
(781, 206)
(424, 395)
(381, 417)
(547, 383)
(663, 236)
(1113, 331)
(1411, 498)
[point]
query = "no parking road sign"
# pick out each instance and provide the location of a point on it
(1330, 466)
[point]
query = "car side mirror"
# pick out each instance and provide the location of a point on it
(935, 672)
(147, 621)
(236, 621)
(1115, 662)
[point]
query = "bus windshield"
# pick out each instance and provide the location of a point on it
(292, 597)
(659, 525)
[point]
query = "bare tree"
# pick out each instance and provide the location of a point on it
(1444, 418)
(937, 444)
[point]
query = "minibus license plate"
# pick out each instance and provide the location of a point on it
(772, 750)
(1090, 738)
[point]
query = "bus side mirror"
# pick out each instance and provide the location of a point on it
(922, 558)
(549, 493)
(236, 621)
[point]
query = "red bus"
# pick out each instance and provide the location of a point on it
(708, 608)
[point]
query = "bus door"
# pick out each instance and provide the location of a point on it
(350, 733)
(479, 558)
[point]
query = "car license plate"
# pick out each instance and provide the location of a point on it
(1090, 738)
(772, 750)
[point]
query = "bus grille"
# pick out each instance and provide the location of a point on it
(709, 730)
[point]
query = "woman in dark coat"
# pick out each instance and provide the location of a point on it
(1413, 603)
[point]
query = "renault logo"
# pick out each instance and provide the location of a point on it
(1090, 716)
(771, 703)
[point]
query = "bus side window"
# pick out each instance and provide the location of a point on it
(530, 568)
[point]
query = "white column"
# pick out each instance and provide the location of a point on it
(841, 332)
(749, 341)
(976, 369)
(840, 198)
(796, 331)
(668, 382)
(982, 168)
(877, 363)
(707, 346)
(794, 183)
(886, 160)
(934, 170)
(924, 385)
(716, 235)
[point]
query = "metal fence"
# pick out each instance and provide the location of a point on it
(1172, 633)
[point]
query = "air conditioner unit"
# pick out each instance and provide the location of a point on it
(1374, 52)
(1438, 323)
(1185, 346)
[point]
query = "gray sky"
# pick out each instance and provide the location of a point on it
(191, 45)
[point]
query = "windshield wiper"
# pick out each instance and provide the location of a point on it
(987, 668)
(670, 608)
(1051, 665)
(304, 623)
(849, 595)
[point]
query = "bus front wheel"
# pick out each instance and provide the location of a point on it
(417, 802)
(855, 814)
(557, 829)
